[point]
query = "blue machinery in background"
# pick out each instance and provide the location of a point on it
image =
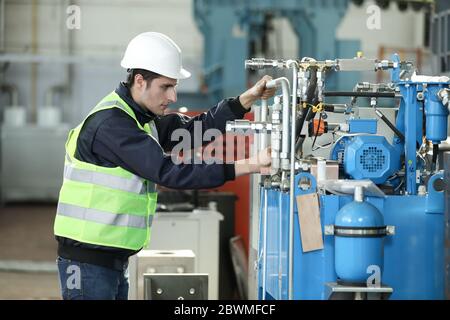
(374, 211)
(230, 28)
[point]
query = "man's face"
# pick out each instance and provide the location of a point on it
(156, 95)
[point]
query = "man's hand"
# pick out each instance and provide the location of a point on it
(265, 161)
(259, 163)
(258, 91)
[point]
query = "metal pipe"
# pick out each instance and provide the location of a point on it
(263, 135)
(264, 246)
(294, 65)
(284, 186)
(284, 82)
(257, 265)
(2, 26)
(320, 85)
(55, 59)
(275, 136)
(247, 126)
(34, 65)
(262, 63)
(280, 242)
(70, 74)
(446, 166)
(13, 93)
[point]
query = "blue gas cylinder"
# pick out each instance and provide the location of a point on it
(359, 230)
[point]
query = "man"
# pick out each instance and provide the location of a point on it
(115, 157)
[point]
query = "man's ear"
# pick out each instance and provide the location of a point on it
(139, 80)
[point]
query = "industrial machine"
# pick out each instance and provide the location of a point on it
(367, 221)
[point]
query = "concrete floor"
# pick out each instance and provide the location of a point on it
(27, 243)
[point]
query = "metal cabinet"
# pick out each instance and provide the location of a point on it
(197, 231)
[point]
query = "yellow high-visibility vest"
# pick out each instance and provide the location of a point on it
(105, 206)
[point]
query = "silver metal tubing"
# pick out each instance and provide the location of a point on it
(263, 135)
(2, 26)
(275, 136)
(294, 65)
(284, 82)
(320, 84)
(264, 269)
(280, 245)
(447, 218)
(262, 63)
(247, 127)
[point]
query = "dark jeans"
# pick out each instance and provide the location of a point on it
(84, 281)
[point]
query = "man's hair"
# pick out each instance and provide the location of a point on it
(147, 75)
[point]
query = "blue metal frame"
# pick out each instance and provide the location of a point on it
(413, 256)
(410, 118)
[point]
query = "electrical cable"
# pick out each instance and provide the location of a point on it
(390, 125)
(435, 155)
(317, 131)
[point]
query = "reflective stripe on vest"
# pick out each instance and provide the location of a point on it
(133, 184)
(111, 103)
(118, 219)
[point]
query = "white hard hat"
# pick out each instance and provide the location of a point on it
(155, 52)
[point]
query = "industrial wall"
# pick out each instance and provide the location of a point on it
(36, 30)
(40, 28)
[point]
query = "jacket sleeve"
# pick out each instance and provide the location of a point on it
(214, 118)
(119, 141)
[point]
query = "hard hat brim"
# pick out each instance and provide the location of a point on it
(183, 74)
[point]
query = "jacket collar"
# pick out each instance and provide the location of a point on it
(143, 116)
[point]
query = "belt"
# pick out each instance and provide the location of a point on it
(94, 256)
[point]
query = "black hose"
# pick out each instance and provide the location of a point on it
(359, 94)
(305, 114)
(390, 125)
(299, 143)
(300, 137)
(435, 154)
(298, 125)
(328, 107)
(317, 131)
